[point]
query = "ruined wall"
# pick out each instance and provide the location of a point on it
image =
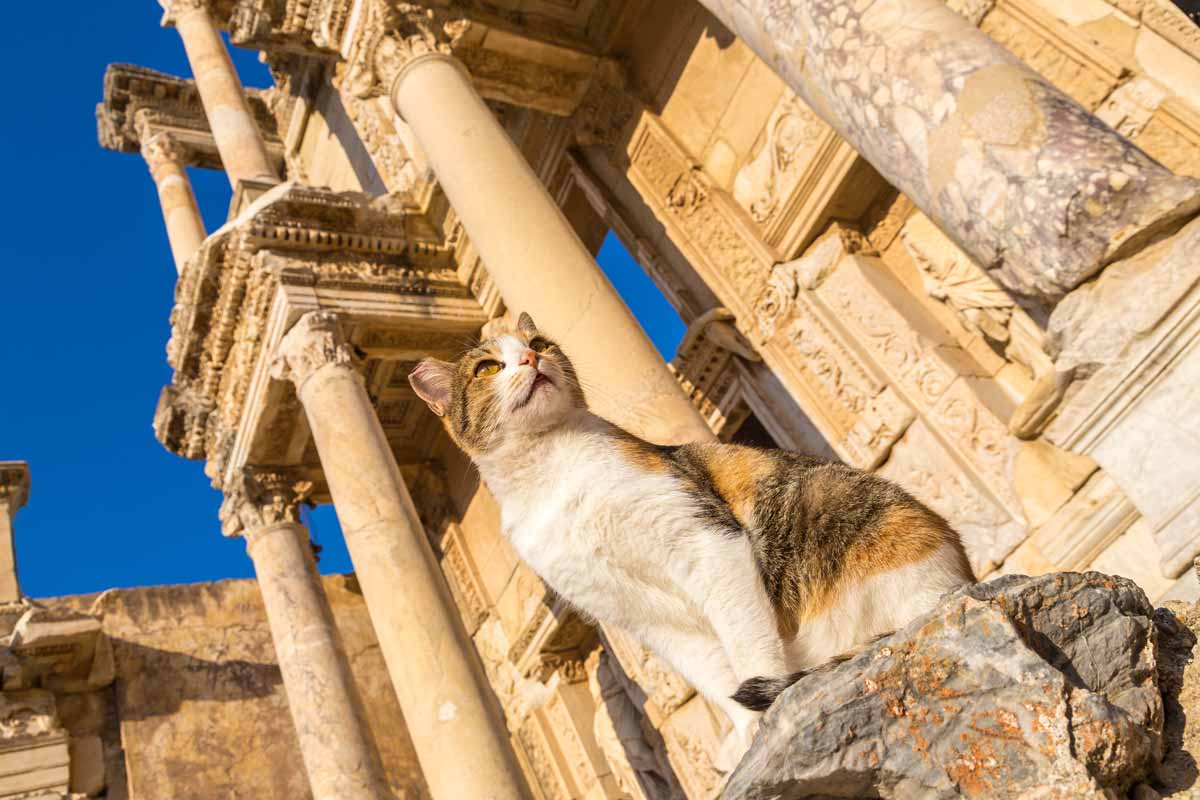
(198, 710)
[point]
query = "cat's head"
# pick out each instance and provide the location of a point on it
(514, 384)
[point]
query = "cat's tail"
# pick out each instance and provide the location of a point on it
(757, 694)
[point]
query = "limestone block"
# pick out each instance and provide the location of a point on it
(694, 734)
(1019, 687)
(1185, 590)
(1135, 556)
(1026, 560)
(196, 672)
(1086, 524)
(708, 81)
(1134, 333)
(34, 751)
(87, 765)
(489, 550)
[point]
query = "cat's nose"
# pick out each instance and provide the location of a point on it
(528, 358)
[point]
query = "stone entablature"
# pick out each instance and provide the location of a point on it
(311, 243)
(140, 103)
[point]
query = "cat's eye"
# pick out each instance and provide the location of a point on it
(539, 345)
(486, 368)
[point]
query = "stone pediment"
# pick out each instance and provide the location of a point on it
(395, 283)
(137, 97)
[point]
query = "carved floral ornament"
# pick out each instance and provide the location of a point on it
(392, 35)
(161, 149)
(261, 497)
(314, 342)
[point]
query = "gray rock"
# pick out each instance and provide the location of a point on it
(1021, 687)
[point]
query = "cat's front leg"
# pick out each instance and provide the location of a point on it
(702, 660)
(723, 581)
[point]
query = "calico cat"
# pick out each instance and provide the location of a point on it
(740, 567)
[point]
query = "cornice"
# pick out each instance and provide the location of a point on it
(294, 237)
(139, 101)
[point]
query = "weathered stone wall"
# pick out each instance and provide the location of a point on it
(198, 709)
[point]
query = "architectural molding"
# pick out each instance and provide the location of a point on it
(140, 102)
(262, 497)
(316, 341)
(162, 148)
(14, 484)
(320, 249)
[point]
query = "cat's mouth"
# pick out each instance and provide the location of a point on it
(540, 380)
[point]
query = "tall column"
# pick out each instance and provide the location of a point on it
(14, 491)
(1031, 185)
(461, 744)
(339, 754)
(529, 248)
(240, 143)
(185, 227)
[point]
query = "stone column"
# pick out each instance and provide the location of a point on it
(461, 743)
(530, 250)
(185, 228)
(14, 491)
(240, 143)
(1031, 185)
(340, 756)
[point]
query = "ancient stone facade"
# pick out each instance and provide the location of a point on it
(950, 243)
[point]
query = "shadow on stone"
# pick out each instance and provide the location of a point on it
(1176, 639)
(181, 678)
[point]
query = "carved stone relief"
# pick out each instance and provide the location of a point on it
(800, 340)
(979, 303)
(700, 218)
(916, 365)
(636, 755)
(791, 137)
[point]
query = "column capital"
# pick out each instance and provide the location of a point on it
(315, 341)
(392, 36)
(173, 9)
(160, 149)
(261, 497)
(14, 484)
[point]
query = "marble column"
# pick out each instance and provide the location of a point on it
(339, 753)
(14, 492)
(185, 228)
(531, 252)
(461, 743)
(1029, 183)
(240, 143)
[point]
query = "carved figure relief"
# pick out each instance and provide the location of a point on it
(950, 276)
(641, 769)
(792, 133)
(978, 302)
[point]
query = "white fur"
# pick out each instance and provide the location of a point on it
(627, 546)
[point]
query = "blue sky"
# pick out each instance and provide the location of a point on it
(86, 292)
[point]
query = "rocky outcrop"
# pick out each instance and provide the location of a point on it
(1019, 687)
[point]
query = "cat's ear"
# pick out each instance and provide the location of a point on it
(431, 380)
(525, 324)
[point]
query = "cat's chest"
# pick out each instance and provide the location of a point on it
(593, 513)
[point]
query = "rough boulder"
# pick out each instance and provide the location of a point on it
(1041, 687)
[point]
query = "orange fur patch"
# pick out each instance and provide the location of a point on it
(735, 473)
